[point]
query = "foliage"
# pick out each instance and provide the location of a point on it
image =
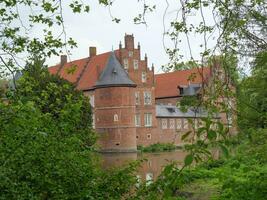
(157, 147)
(242, 176)
(39, 160)
(252, 99)
(47, 141)
(55, 97)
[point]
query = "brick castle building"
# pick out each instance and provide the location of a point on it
(132, 105)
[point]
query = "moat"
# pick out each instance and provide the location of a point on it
(152, 164)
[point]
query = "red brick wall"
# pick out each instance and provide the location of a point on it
(120, 134)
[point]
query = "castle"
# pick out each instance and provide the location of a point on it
(132, 105)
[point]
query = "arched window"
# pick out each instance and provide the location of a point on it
(116, 118)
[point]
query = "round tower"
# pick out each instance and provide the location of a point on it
(115, 108)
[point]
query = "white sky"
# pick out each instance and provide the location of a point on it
(97, 29)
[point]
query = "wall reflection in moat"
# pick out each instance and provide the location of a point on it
(152, 164)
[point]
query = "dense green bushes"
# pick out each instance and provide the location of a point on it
(46, 144)
(158, 147)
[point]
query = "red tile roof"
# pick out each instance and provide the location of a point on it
(83, 72)
(167, 83)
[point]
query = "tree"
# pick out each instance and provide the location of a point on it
(252, 96)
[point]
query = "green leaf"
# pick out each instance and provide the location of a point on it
(188, 159)
(186, 135)
(224, 150)
(211, 134)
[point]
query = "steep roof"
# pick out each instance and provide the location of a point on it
(114, 74)
(167, 83)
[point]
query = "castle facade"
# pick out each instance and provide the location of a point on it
(131, 104)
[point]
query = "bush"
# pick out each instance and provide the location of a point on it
(158, 147)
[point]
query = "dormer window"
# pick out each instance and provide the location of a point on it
(125, 63)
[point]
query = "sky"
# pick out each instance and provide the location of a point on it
(97, 29)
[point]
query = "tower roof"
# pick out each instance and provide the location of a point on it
(114, 75)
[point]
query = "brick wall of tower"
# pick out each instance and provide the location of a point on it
(131, 56)
(114, 118)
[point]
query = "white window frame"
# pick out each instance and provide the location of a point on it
(137, 98)
(92, 100)
(130, 53)
(93, 120)
(172, 123)
(148, 119)
(143, 77)
(135, 64)
(179, 123)
(164, 123)
(185, 124)
(126, 63)
(137, 119)
(116, 118)
(147, 98)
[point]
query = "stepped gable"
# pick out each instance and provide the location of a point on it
(167, 83)
(114, 75)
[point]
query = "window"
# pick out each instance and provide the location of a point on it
(164, 124)
(195, 123)
(116, 118)
(137, 120)
(185, 124)
(92, 100)
(148, 136)
(179, 124)
(143, 77)
(130, 54)
(135, 62)
(147, 98)
(93, 120)
(172, 124)
(125, 63)
(148, 119)
(230, 119)
(137, 98)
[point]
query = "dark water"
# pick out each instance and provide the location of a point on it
(152, 164)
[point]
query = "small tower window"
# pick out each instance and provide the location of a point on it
(116, 118)
(130, 54)
(135, 62)
(143, 77)
(93, 120)
(148, 136)
(125, 63)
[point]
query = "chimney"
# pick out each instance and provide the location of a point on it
(63, 60)
(129, 41)
(92, 51)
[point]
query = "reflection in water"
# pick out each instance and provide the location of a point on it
(151, 166)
